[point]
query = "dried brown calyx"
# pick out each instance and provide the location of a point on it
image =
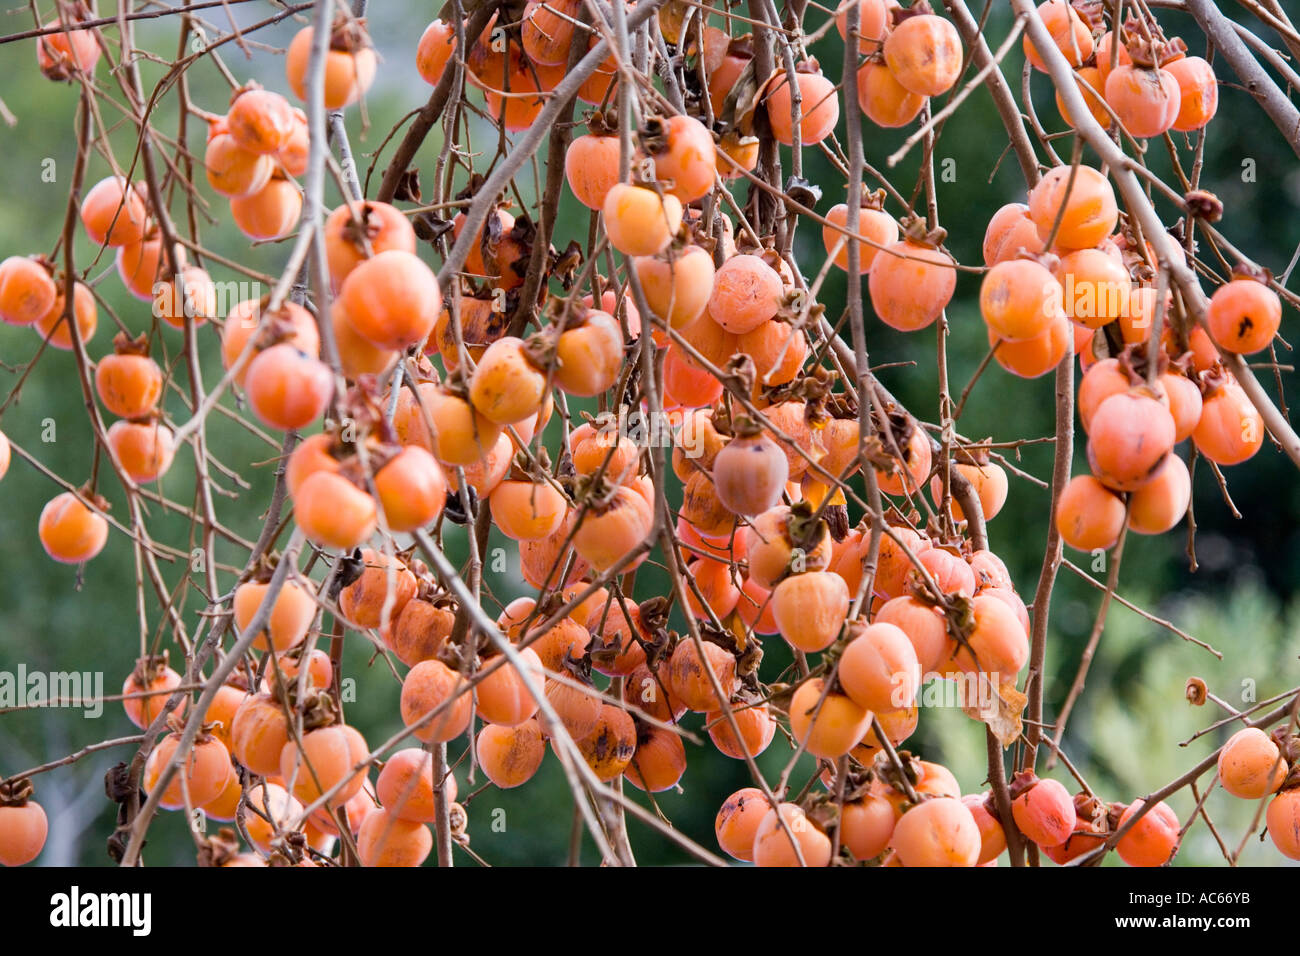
(218, 849)
(1203, 204)
(349, 34)
(1150, 53)
(1195, 691)
(16, 793)
(918, 232)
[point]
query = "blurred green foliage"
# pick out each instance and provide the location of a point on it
(1126, 732)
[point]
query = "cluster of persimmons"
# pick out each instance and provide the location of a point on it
(426, 402)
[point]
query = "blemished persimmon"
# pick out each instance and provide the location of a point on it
(54, 327)
(510, 755)
(269, 213)
(291, 615)
(819, 107)
(884, 100)
(771, 552)
(385, 584)
(1161, 503)
(578, 708)
(350, 65)
(938, 832)
(638, 221)
(23, 828)
(1131, 434)
(293, 156)
(1089, 515)
(1244, 315)
(27, 290)
(826, 724)
(287, 388)
(260, 121)
(1230, 429)
(749, 474)
(1090, 212)
(609, 747)
(258, 734)
(688, 675)
(203, 775)
(911, 284)
(924, 54)
(113, 213)
(757, 726)
(746, 292)
(1151, 840)
(875, 225)
(1068, 30)
(248, 320)
(737, 822)
(658, 761)
(405, 786)
(507, 387)
(419, 630)
(333, 511)
(1010, 231)
(386, 840)
(70, 531)
(432, 686)
(810, 609)
(392, 299)
(879, 669)
(798, 843)
(129, 383)
(356, 231)
(1091, 86)
(320, 672)
(411, 489)
(612, 530)
(1019, 299)
(1044, 812)
(1250, 765)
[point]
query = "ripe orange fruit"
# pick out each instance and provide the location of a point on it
(411, 489)
(924, 54)
(911, 284)
(27, 290)
(71, 532)
(1068, 31)
(638, 221)
(1090, 211)
(350, 65)
(113, 213)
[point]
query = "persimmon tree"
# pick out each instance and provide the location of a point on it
(451, 349)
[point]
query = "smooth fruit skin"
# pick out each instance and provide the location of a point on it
(910, 285)
(1045, 813)
(1068, 31)
(411, 489)
(773, 845)
(937, 832)
(883, 99)
(392, 299)
(1090, 209)
(54, 327)
(1145, 100)
(687, 165)
(113, 213)
(1244, 315)
(591, 168)
(1151, 840)
(506, 387)
(1250, 766)
(1009, 231)
(428, 685)
(347, 75)
(874, 224)
(405, 785)
(993, 840)
(27, 291)
(658, 762)
(291, 614)
(326, 759)
(22, 833)
(380, 225)
(1130, 437)
(1161, 503)
(810, 609)
(142, 711)
(677, 285)
(129, 385)
(287, 388)
(386, 840)
(638, 222)
(819, 109)
(69, 531)
(757, 726)
(261, 121)
(143, 450)
(233, 171)
(1089, 515)
(1283, 822)
(205, 772)
(269, 213)
(1230, 429)
(879, 669)
(1198, 93)
(1019, 299)
(334, 512)
(866, 826)
(738, 820)
(749, 474)
(829, 727)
